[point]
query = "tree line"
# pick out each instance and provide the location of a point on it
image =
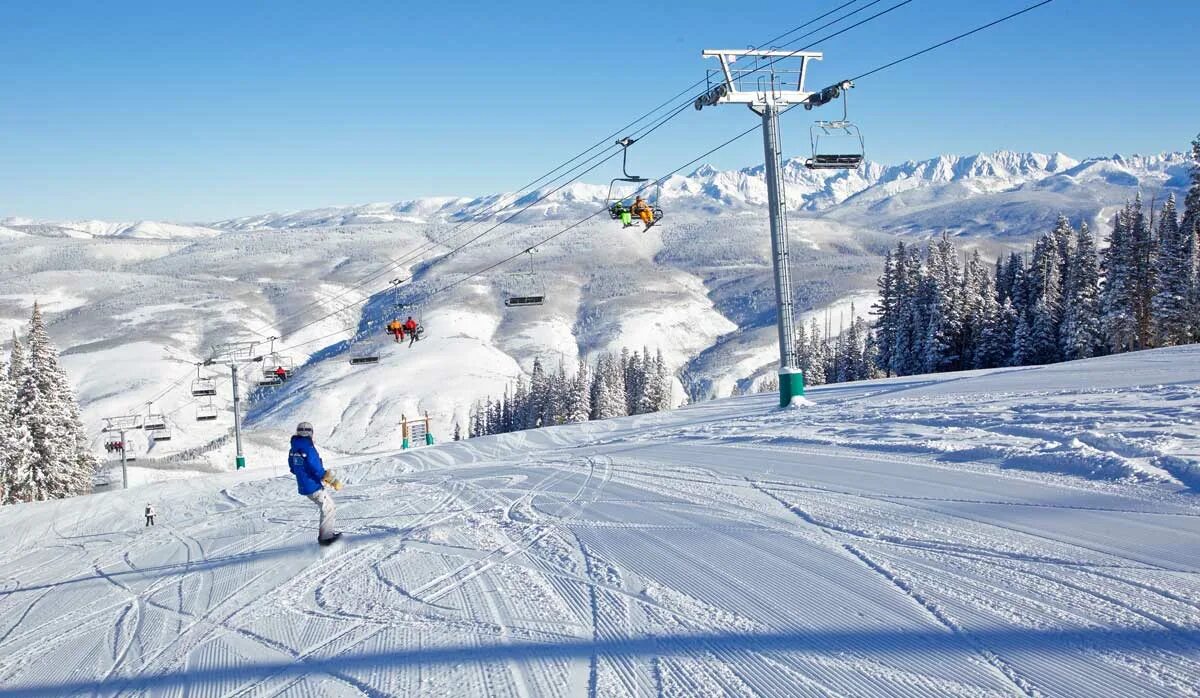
(612, 386)
(44, 450)
(1064, 300)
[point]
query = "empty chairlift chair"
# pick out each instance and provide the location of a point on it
(361, 355)
(202, 386)
(524, 288)
(206, 413)
(836, 145)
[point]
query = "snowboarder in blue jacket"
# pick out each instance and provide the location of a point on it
(311, 476)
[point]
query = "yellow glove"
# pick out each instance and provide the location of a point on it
(331, 480)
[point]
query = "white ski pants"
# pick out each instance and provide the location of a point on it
(322, 499)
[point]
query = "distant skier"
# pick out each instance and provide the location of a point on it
(150, 514)
(413, 330)
(311, 478)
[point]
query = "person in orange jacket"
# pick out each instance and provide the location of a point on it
(642, 210)
(396, 328)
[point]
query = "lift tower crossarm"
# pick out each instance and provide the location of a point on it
(767, 88)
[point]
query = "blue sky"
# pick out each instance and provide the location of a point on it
(203, 111)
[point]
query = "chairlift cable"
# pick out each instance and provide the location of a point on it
(424, 247)
(952, 39)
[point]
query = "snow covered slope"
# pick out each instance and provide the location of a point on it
(133, 305)
(910, 537)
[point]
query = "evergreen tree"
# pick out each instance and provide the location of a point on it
(1142, 249)
(941, 307)
(7, 395)
(1118, 299)
(539, 396)
(886, 310)
(907, 358)
(1081, 334)
(1190, 229)
(16, 364)
(1022, 349)
(665, 381)
(579, 403)
(997, 337)
(1172, 321)
(457, 431)
(1043, 288)
(978, 303)
(810, 360)
(61, 463)
(610, 390)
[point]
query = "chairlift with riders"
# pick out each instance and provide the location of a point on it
(619, 206)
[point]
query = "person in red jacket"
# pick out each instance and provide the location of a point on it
(413, 330)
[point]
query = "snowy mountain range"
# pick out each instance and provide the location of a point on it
(135, 304)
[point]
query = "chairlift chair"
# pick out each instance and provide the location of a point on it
(153, 421)
(269, 380)
(274, 362)
(836, 145)
(524, 288)
(206, 413)
(204, 387)
(360, 356)
(614, 197)
(163, 434)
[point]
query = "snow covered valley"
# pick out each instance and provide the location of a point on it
(1029, 531)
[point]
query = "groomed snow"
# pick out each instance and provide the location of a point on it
(1022, 532)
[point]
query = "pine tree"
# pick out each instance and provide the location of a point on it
(62, 465)
(941, 308)
(579, 404)
(1118, 299)
(1022, 348)
(997, 337)
(907, 358)
(650, 399)
(810, 360)
(16, 364)
(1190, 229)
(1142, 242)
(1172, 321)
(1081, 333)
(539, 396)
(665, 382)
(886, 310)
(7, 395)
(610, 390)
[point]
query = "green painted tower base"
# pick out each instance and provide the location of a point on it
(241, 462)
(428, 439)
(404, 444)
(791, 384)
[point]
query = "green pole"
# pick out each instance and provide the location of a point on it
(791, 385)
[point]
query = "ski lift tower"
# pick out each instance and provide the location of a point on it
(231, 354)
(768, 81)
(120, 425)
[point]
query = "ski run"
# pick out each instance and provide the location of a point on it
(1013, 532)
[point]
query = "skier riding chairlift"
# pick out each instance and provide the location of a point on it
(396, 329)
(414, 330)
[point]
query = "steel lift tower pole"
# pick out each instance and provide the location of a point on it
(768, 90)
(119, 425)
(232, 354)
